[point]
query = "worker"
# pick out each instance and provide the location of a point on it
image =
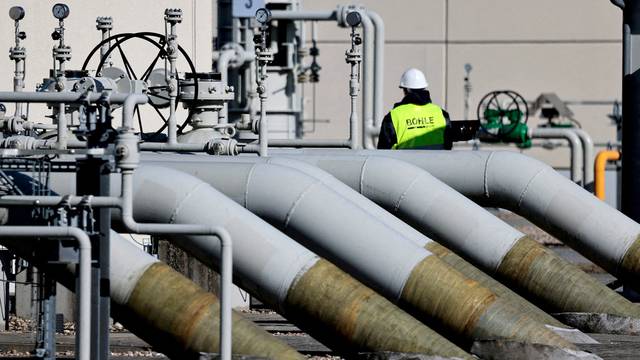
(415, 122)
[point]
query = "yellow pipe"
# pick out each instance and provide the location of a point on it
(600, 166)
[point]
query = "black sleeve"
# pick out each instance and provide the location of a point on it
(387, 136)
(448, 132)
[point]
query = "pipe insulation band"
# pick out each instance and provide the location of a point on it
(361, 319)
(435, 292)
(534, 269)
(297, 205)
(496, 287)
(186, 319)
(172, 313)
(265, 258)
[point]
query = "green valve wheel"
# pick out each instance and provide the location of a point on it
(503, 116)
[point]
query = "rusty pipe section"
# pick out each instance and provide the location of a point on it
(371, 251)
(537, 192)
(149, 299)
(441, 213)
(600, 168)
(313, 293)
(175, 315)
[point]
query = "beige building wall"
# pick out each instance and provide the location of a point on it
(571, 47)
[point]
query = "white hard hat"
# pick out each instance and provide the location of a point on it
(413, 79)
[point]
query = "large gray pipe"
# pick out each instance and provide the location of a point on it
(175, 315)
(537, 192)
(447, 216)
(308, 290)
(401, 270)
(393, 222)
(166, 309)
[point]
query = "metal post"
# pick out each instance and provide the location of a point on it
(264, 56)
(93, 179)
(172, 17)
(354, 58)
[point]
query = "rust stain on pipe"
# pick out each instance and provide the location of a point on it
(455, 305)
(558, 285)
(496, 287)
(630, 265)
(180, 319)
(346, 312)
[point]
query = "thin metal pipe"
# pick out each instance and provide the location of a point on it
(304, 143)
(62, 127)
(367, 80)
(587, 157)
(187, 147)
(305, 15)
(378, 79)
(84, 290)
(222, 66)
(186, 229)
(574, 144)
(61, 97)
(600, 171)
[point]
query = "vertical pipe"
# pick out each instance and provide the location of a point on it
(367, 81)
(378, 79)
(587, 157)
(84, 290)
(62, 127)
(600, 171)
(225, 294)
(574, 144)
(631, 112)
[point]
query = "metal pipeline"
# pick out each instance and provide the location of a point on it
(407, 231)
(370, 51)
(378, 79)
(587, 157)
(574, 144)
(222, 66)
(600, 168)
(435, 209)
(342, 312)
(402, 271)
(175, 315)
(536, 191)
(84, 277)
(166, 309)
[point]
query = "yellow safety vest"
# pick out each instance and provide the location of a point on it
(418, 126)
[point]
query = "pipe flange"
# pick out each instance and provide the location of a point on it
(342, 11)
(222, 146)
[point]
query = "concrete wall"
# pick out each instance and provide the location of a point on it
(570, 47)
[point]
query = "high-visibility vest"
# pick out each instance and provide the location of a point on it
(419, 126)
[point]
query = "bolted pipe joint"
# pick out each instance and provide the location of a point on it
(222, 146)
(126, 151)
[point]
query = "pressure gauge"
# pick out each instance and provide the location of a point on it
(60, 11)
(16, 13)
(263, 16)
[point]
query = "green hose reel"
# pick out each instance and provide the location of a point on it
(503, 116)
